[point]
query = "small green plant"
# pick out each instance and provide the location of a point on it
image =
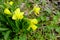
(29, 20)
(15, 22)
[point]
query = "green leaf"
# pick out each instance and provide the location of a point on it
(1, 2)
(22, 37)
(58, 29)
(43, 18)
(16, 38)
(43, 2)
(2, 18)
(6, 36)
(11, 23)
(48, 10)
(58, 13)
(3, 29)
(55, 19)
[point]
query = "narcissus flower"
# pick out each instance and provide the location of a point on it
(33, 21)
(11, 2)
(17, 14)
(32, 24)
(34, 27)
(7, 11)
(17, 10)
(36, 10)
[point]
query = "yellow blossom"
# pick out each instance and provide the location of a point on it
(18, 15)
(33, 21)
(17, 10)
(34, 27)
(32, 24)
(7, 11)
(36, 10)
(11, 2)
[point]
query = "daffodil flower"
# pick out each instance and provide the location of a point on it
(7, 11)
(11, 2)
(17, 14)
(32, 24)
(34, 27)
(33, 21)
(36, 10)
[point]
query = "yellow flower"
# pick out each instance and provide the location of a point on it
(33, 21)
(18, 15)
(17, 10)
(36, 10)
(7, 11)
(32, 24)
(34, 27)
(11, 2)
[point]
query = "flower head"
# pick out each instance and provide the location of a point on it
(36, 10)
(33, 21)
(11, 2)
(7, 11)
(34, 27)
(17, 10)
(17, 14)
(32, 24)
